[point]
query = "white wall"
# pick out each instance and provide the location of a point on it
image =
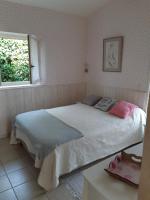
(131, 19)
(62, 39)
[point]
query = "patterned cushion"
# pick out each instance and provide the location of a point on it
(91, 100)
(105, 104)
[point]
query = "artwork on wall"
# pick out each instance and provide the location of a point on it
(112, 54)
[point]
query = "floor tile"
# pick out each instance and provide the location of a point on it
(5, 146)
(60, 194)
(2, 172)
(20, 150)
(8, 155)
(28, 191)
(14, 165)
(4, 183)
(8, 195)
(42, 197)
(21, 176)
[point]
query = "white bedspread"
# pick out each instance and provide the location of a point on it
(104, 135)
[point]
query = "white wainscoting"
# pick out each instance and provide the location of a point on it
(137, 97)
(17, 100)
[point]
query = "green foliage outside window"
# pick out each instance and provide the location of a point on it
(14, 60)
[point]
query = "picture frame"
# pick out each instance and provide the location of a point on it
(113, 54)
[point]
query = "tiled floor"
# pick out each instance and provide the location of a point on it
(17, 174)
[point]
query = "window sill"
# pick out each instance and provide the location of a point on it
(11, 87)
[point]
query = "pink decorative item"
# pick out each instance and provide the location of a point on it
(126, 167)
(122, 109)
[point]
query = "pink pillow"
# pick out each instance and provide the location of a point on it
(122, 109)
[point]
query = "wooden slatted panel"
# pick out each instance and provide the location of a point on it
(139, 98)
(18, 100)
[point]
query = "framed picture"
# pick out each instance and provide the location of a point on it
(112, 54)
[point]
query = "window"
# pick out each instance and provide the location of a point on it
(19, 63)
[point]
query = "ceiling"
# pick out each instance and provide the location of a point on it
(76, 7)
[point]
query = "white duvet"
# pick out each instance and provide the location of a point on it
(103, 133)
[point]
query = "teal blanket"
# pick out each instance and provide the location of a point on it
(45, 131)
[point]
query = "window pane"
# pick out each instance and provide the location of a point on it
(14, 61)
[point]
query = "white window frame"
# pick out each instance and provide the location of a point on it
(29, 38)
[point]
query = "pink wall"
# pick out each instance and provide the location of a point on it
(131, 19)
(62, 39)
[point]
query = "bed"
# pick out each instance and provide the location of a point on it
(94, 135)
